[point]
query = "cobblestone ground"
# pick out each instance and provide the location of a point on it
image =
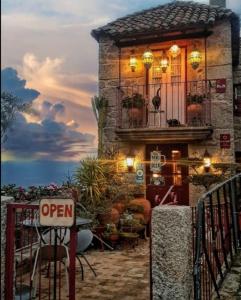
(231, 288)
(121, 275)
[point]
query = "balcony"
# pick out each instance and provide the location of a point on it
(176, 111)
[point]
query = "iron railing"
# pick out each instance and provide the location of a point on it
(26, 252)
(217, 236)
(174, 108)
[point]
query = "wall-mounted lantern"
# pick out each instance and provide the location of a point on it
(130, 159)
(207, 161)
(195, 59)
(164, 62)
(133, 61)
(174, 51)
(147, 59)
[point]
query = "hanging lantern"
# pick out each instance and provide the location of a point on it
(133, 62)
(174, 51)
(147, 58)
(164, 62)
(195, 59)
(130, 162)
(206, 161)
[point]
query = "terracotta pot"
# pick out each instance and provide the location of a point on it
(194, 108)
(135, 113)
(146, 205)
(120, 207)
(112, 216)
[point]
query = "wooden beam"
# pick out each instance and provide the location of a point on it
(141, 40)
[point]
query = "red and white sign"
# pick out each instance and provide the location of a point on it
(221, 85)
(57, 212)
(225, 141)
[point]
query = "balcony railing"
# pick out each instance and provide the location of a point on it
(163, 105)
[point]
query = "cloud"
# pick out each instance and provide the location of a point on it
(47, 140)
(10, 82)
(51, 132)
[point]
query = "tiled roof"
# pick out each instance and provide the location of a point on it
(164, 18)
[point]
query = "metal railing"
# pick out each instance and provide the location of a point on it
(217, 236)
(176, 104)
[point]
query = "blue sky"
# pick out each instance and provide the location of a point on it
(49, 45)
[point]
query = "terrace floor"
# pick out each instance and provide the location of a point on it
(121, 274)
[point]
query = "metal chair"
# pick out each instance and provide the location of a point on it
(84, 240)
(46, 253)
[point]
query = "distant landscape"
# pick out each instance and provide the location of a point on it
(36, 172)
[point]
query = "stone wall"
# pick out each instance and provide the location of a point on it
(4, 202)
(172, 253)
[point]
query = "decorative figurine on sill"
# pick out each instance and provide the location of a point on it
(156, 100)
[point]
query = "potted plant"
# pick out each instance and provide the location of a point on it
(194, 103)
(134, 104)
(111, 233)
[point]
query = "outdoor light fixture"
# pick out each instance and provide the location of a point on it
(130, 162)
(206, 161)
(164, 62)
(147, 59)
(133, 61)
(174, 51)
(195, 59)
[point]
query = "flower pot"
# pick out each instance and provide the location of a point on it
(194, 108)
(146, 205)
(135, 114)
(120, 207)
(112, 216)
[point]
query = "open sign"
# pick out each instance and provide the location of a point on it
(56, 212)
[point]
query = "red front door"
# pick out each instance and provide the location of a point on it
(172, 173)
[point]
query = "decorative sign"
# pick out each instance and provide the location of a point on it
(157, 161)
(139, 173)
(220, 85)
(225, 141)
(57, 212)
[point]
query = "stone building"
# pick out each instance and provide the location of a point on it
(172, 78)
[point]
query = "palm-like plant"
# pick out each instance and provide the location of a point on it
(99, 106)
(91, 177)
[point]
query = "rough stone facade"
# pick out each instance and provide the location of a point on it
(172, 253)
(114, 71)
(4, 202)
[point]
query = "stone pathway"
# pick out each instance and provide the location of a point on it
(120, 275)
(231, 288)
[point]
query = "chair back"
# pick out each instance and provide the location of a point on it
(47, 253)
(84, 239)
(63, 236)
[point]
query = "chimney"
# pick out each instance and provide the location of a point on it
(221, 3)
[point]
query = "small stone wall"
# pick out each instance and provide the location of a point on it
(172, 253)
(4, 202)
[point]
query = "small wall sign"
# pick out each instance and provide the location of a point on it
(221, 85)
(157, 161)
(139, 173)
(56, 212)
(225, 141)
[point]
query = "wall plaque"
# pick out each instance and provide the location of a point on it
(220, 85)
(139, 173)
(225, 141)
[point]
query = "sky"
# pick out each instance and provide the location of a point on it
(50, 59)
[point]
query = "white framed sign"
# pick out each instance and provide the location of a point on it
(157, 161)
(140, 173)
(57, 212)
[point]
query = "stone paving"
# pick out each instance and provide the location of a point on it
(231, 288)
(120, 275)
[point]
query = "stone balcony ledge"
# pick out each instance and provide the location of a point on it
(170, 134)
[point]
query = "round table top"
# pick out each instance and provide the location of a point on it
(35, 222)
